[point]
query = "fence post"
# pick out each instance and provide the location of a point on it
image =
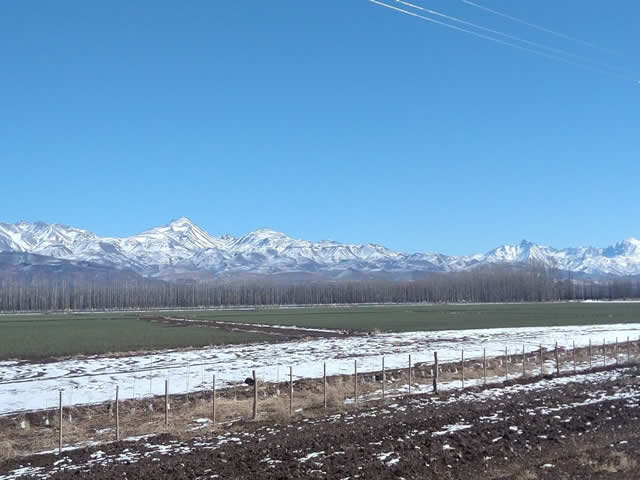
(384, 377)
(575, 367)
(557, 360)
(291, 391)
(463, 369)
(604, 352)
(524, 363)
(628, 352)
(188, 374)
(484, 366)
(541, 361)
(60, 426)
(324, 384)
(435, 374)
(255, 395)
(204, 390)
(590, 356)
(506, 364)
(617, 356)
(166, 403)
(410, 374)
(213, 401)
(117, 415)
(355, 382)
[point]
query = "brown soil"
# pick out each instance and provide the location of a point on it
(590, 440)
(281, 334)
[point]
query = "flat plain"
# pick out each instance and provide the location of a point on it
(61, 335)
(412, 318)
(43, 336)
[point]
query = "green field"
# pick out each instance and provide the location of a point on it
(436, 317)
(58, 335)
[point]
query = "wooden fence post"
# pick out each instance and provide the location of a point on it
(575, 367)
(617, 356)
(590, 356)
(557, 360)
(255, 395)
(410, 374)
(384, 377)
(355, 382)
(324, 384)
(541, 361)
(117, 415)
(213, 401)
(291, 391)
(628, 352)
(435, 372)
(506, 364)
(60, 425)
(604, 352)
(204, 390)
(188, 374)
(166, 403)
(463, 369)
(484, 366)
(524, 362)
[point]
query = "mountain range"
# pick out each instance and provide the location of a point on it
(182, 250)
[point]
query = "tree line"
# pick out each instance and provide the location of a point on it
(496, 284)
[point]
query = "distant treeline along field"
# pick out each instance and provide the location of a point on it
(498, 284)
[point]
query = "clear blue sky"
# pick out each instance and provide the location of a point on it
(323, 119)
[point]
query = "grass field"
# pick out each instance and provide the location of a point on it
(437, 317)
(57, 335)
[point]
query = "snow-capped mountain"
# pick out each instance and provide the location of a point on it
(181, 249)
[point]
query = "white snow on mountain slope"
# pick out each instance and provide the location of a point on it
(183, 247)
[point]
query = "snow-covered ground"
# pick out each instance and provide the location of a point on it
(153, 450)
(28, 386)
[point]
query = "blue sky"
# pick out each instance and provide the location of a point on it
(331, 119)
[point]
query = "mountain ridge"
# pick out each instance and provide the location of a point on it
(183, 249)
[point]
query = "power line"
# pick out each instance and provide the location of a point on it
(498, 32)
(508, 44)
(538, 27)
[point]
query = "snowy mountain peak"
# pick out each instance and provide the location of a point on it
(263, 238)
(180, 234)
(630, 246)
(182, 249)
(267, 232)
(181, 223)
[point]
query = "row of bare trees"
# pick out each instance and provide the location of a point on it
(498, 284)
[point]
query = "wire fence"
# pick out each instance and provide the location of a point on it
(188, 398)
